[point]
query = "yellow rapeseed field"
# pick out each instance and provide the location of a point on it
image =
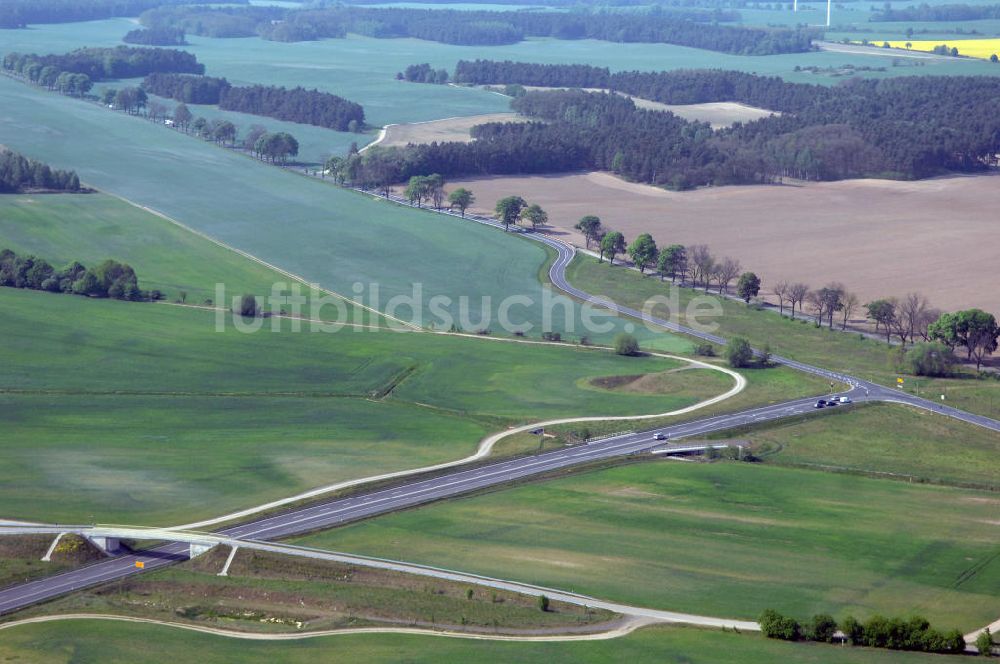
(973, 48)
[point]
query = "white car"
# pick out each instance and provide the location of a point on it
(659, 435)
(845, 399)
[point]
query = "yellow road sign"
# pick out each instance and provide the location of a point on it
(899, 380)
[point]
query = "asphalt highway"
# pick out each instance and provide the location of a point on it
(339, 511)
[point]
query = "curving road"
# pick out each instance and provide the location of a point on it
(419, 491)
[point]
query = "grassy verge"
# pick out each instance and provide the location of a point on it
(85, 641)
(717, 539)
(267, 592)
(800, 340)
(884, 440)
(144, 413)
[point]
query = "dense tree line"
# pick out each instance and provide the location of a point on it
(907, 127)
(219, 22)
(423, 73)
(925, 12)
(20, 13)
(18, 173)
(681, 86)
(696, 28)
(103, 63)
(913, 633)
(155, 37)
(296, 105)
(108, 279)
(187, 88)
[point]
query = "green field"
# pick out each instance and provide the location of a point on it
(92, 227)
(327, 235)
(885, 439)
(724, 539)
(144, 413)
(797, 339)
(82, 641)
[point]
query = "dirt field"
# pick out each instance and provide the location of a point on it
(939, 237)
(450, 129)
(718, 114)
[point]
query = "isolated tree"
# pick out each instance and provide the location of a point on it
(913, 313)
(702, 262)
(726, 271)
(643, 251)
(883, 312)
(673, 261)
(535, 214)
(224, 132)
(797, 294)
(251, 138)
(435, 189)
(738, 353)
(590, 226)
(416, 190)
(849, 304)
(833, 299)
(182, 116)
(626, 344)
(248, 306)
(612, 244)
(461, 198)
(543, 603)
(508, 210)
(748, 286)
(780, 291)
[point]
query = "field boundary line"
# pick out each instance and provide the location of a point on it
(261, 261)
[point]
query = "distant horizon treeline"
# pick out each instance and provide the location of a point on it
(19, 173)
(696, 28)
(21, 13)
(924, 12)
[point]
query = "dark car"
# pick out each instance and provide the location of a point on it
(820, 404)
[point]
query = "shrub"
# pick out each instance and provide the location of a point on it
(626, 344)
(822, 628)
(738, 353)
(248, 306)
(773, 625)
(543, 603)
(930, 359)
(705, 350)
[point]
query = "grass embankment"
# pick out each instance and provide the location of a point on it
(21, 556)
(801, 340)
(724, 539)
(883, 440)
(84, 641)
(141, 413)
(266, 592)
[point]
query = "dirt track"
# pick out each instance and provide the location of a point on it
(939, 237)
(450, 129)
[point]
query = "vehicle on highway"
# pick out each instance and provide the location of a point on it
(659, 435)
(845, 400)
(820, 404)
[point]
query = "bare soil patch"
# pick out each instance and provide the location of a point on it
(718, 114)
(879, 237)
(449, 129)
